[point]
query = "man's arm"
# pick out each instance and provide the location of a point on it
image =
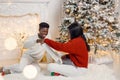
(30, 42)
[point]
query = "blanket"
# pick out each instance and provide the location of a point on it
(95, 72)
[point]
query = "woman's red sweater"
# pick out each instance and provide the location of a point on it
(76, 48)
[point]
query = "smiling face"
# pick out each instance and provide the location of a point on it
(43, 32)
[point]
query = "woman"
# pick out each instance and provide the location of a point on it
(77, 49)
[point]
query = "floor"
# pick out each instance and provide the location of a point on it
(115, 66)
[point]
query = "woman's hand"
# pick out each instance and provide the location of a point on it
(65, 57)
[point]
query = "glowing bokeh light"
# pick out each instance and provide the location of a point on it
(10, 43)
(30, 72)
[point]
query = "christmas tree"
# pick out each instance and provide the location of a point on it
(98, 19)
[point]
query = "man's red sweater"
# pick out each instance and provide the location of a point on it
(76, 48)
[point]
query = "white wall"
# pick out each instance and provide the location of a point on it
(55, 13)
(49, 11)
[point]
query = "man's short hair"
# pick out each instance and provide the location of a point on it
(43, 25)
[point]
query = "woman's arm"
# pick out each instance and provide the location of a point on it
(66, 47)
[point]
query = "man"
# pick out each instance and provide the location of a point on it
(34, 53)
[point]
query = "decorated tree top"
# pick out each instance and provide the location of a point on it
(98, 19)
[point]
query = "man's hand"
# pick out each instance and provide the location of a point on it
(40, 41)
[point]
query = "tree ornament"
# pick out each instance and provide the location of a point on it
(111, 19)
(67, 11)
(78, 17)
